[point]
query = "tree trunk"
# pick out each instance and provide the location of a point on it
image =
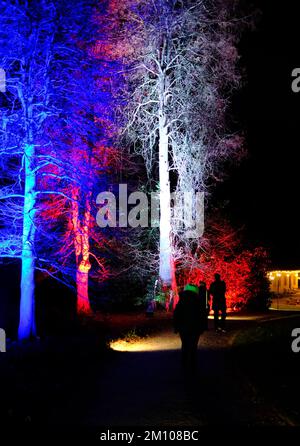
(82, 252)
(165, 264)
(27, 326)
(82, 286)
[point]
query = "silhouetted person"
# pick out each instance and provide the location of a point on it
(151, 304)
(203, 295)
(189, 322)
(218, 290)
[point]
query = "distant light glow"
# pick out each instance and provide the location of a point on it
(168, 341)
(125, 346)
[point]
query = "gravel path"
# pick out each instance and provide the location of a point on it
(146, 386)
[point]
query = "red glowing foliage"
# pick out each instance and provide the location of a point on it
(244, 270)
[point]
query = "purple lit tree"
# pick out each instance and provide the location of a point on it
(84, 138)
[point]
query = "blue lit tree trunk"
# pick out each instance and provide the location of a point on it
(39, 51)
(27, 325)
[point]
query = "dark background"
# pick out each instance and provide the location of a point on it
(263, 192)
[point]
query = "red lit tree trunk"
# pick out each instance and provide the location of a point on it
(81, 227)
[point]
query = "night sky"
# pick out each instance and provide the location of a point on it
(263, 192)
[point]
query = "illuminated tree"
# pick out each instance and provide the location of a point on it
(25, 56)
(181, 70)
(41, 56)
(244, 269)
(83, 247)
(87, 135)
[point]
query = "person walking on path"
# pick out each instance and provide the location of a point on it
(189, 322)
(150, 307)
(218, 292)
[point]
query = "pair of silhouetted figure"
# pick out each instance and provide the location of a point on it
(191, 312)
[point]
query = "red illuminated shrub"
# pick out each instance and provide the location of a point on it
(244, 270)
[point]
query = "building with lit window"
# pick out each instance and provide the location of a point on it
(284, 281)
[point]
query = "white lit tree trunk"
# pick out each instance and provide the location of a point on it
(165, 251)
